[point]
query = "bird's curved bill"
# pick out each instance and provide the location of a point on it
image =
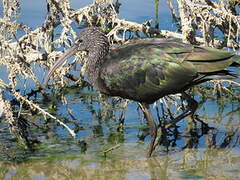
(70, 52)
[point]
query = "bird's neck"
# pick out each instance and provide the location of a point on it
(92, 67)
(95, 59)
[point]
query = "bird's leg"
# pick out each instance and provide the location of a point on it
(191, 108)
(153, 127)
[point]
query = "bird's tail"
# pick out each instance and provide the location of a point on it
(236, 61)
(223, 74)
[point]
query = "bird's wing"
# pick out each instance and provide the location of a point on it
(149, 69)
(205, 59)
(142, 70)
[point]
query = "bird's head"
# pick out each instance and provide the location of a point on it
(91, 37)
(92, 40)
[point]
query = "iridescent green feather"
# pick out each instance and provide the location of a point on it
(158, 68)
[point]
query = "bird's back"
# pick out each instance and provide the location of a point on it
(149, 69)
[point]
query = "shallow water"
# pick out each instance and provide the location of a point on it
(103, 149)
(187, 164)
(191, 154)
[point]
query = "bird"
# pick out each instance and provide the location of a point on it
(145, 70)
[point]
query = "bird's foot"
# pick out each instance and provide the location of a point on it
(153, 127)
(191, 108)
(177, 119)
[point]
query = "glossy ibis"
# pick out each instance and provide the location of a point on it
(147, 69)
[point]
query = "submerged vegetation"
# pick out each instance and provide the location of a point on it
(29, 110)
